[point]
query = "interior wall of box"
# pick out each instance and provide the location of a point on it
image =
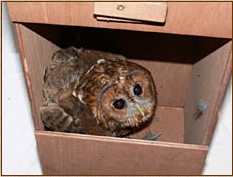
(186, 69)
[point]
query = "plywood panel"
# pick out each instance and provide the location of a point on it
(70, 154)
(145, 11)
(193, 18)
(169, 121)
(208, 82)
(35, 54)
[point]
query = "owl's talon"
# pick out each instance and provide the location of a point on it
(152, 137)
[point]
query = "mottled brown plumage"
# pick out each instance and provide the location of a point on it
(94, 92)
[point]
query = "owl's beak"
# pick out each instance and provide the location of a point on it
(140, 110)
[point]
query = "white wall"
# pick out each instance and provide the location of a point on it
(19, 152)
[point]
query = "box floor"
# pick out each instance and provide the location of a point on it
(18, 128)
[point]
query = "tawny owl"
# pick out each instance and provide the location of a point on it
(98, 93)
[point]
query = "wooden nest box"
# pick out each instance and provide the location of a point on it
(185, 45)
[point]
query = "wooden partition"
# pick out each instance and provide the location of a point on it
(207, 83)
(192, 18)
(35, 53)
(69, 154)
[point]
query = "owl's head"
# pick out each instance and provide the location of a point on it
(119, 92)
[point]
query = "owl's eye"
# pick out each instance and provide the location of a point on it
(119, 104)
(137, 89)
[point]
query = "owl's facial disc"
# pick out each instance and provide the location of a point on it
(129, 101)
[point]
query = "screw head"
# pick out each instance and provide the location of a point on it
(120, 7)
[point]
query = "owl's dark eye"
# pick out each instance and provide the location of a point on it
(137, 89)
(119, 104)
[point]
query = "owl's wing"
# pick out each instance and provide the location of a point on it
(56, 119)
(64, 57)
(59, 78)
(61, 111)
(64, 69)
(70, 115)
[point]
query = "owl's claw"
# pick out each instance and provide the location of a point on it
(152, 137)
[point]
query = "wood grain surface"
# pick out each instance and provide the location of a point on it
(167, 120)
(192, 18)
(140, 11)
(35, 53)
(71, 154)
(208, 82)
